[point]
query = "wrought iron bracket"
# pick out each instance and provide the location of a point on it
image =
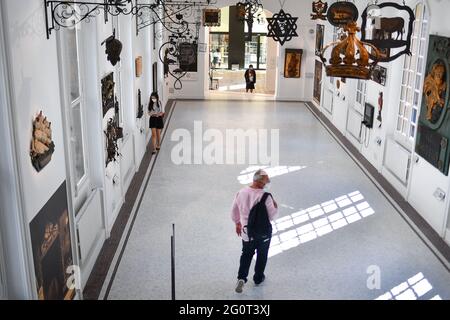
(67, 14)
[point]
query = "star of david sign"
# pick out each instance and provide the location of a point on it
(282, 27)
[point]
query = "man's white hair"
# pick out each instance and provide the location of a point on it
(259, 175)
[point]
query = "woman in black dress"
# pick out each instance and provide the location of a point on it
(156, 114)
(250, 79)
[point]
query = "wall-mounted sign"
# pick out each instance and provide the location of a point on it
(282, 27)
(320, 31)
(211, 17)
(108, 92)
(188, 57)
(434, 123)
(387, 26)
(319, 9)
(42, 146)
(379, 75)
(341, 13)
(140, 112)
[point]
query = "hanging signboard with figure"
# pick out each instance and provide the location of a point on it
(388, 26)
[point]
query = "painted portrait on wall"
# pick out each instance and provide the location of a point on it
(52, 248)
(293, 63)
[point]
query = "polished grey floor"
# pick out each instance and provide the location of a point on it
(335, 233)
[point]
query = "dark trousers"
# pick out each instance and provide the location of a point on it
(248, 250)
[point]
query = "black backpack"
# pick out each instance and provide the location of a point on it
(259, 226)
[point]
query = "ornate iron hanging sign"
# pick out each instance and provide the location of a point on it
(67, 14)
(341, 13)
(388, 32)
(282, 27)
(319, 9)
(248, 11)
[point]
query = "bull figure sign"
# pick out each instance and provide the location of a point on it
(390, 32)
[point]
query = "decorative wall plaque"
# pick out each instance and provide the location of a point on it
(138, 66)
(379, 75)
(108, 92)
(341, 13)
(319, 9)
(388, 32)
(434, 123)
(140, 112)
(42, 146)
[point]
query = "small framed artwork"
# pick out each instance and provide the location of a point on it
(211, 17)
(293, 63)
(320, 29)
(379, 75)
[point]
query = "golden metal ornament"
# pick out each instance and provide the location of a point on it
(349, 56)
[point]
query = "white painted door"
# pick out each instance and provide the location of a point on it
(355, 114)
(340, 106)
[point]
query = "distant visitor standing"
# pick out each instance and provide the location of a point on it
(250, 79)
(252, 211)
(155, 111)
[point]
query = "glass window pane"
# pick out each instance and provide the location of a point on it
(399, 124)
(219, 44)
(251, 52)
(71, 62)
(414, 115)
(412, 131)
(76, 139)
(263, 52)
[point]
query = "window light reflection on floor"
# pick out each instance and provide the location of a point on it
(316, 221)
(246, 176)
(412, 289)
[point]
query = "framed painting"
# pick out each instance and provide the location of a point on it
(293, 63)
(52, 248)
(317, 81)
(320, 29)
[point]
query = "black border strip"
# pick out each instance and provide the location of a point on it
(386, 188)
(122, 250)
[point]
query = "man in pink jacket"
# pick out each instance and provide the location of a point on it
(244, 201)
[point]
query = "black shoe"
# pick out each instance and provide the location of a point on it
(259, 282)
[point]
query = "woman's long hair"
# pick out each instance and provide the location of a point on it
(151, 103)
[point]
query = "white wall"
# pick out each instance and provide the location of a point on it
(424, 179)
(35, 86)
(34, 83)
(287, 89)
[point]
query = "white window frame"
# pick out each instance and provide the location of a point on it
(410, 101)
(80, 188)
(361, 90)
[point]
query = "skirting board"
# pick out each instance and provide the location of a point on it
(447, 236)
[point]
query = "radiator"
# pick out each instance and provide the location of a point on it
(89, 225)
(397, 160)
(354, 124)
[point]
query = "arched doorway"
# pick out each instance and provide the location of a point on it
(230, 55)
